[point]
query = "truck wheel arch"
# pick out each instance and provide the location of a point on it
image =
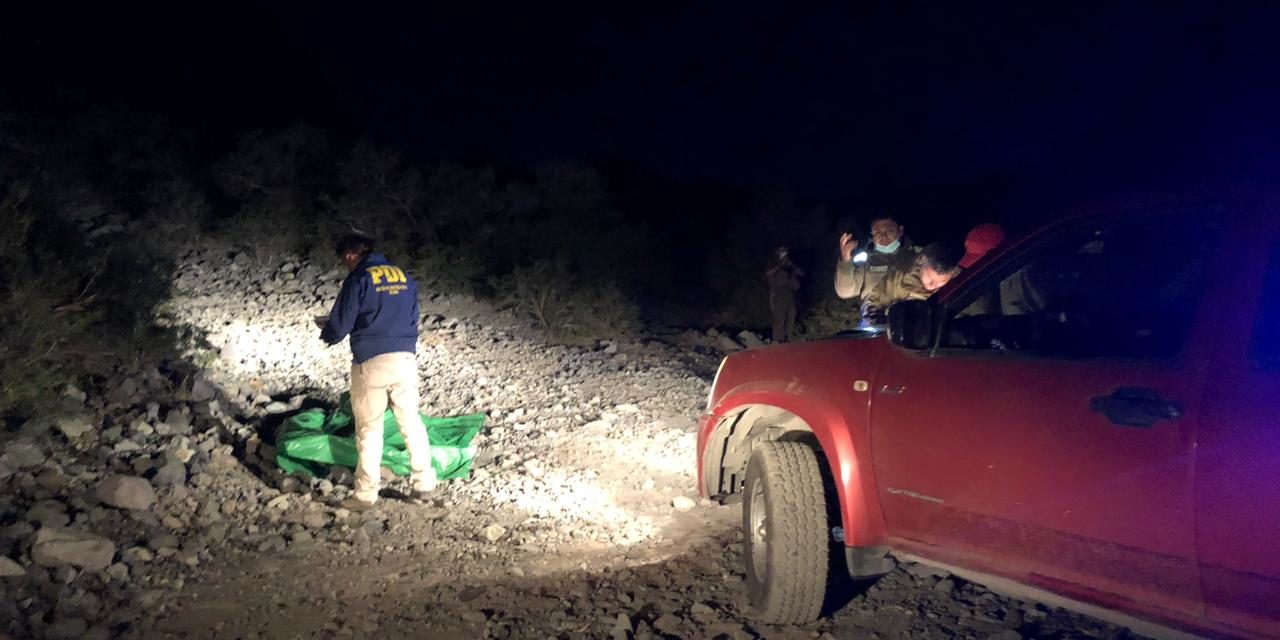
(730, 441)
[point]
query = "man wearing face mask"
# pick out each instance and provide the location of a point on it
(929, 271)
(859, 270)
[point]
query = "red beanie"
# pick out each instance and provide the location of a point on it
(980, 240)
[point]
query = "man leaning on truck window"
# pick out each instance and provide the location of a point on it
(930, 271)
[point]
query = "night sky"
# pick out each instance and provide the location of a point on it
(850, 103)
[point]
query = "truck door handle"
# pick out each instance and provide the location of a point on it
(1135, 407)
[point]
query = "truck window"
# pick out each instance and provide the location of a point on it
(1265, 346)
(1117, 288)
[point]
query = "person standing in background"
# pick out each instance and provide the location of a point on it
(783, 278)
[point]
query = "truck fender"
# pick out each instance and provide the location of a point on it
(845, 446)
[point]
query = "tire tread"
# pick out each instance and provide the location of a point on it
(798, 554)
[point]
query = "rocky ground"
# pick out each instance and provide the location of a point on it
(152, 508)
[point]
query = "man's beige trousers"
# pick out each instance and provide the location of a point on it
(392, 376)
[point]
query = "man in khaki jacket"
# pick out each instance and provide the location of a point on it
(859, 271)
(917, 280)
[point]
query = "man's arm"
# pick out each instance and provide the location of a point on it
(850, 279)
(342, 319)
(876, 301)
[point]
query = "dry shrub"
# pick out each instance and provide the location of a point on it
(566, 306)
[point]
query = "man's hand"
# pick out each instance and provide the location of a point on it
(320, 321)
(847, 247)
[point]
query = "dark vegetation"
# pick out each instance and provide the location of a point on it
(100, 196)
(97, 208)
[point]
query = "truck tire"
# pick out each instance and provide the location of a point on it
(784, 518)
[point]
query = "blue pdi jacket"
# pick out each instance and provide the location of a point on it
(378, 307)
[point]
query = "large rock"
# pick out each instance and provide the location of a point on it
(56, 547)
(176, 422)
(10, 569)
(750, 340)
(727, 344)
(75, 395)
(67, 629)
(75, 426)
(202, 391)
(276, 408)
(49, 513)
(171, 472)
(126, 492)
(127, 391)
(22, 454)
(180, 449)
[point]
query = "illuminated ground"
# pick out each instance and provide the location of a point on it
(569, 527)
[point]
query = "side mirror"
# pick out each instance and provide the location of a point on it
(911, 324)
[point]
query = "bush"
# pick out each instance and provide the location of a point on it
(604, 311)
(276, 179)
(271, 235)
(438, 267)
(42, 310)
(69, 309)
(176, 216)
(830, 316)
(566, 307)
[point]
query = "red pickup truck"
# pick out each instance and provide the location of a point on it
(1092, 413)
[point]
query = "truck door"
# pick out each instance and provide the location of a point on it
(1238, 453)
(1049, 433)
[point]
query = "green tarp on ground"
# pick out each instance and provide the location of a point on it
(312, 441)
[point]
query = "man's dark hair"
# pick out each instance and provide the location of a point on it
(354, 242)
(943, 257)
(884, 216)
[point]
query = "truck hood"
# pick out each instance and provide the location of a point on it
(823, 367)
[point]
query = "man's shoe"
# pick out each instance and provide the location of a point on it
(355, 504)
(423, 487)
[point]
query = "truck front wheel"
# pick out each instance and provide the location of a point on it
(784, 518)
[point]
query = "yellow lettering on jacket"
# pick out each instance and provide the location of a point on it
(388, 274)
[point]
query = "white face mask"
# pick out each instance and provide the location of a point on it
(889, 248)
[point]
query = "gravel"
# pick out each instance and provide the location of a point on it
(167, 516)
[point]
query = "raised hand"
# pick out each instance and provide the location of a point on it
(847, 246)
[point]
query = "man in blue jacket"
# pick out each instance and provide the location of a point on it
(378, 308)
